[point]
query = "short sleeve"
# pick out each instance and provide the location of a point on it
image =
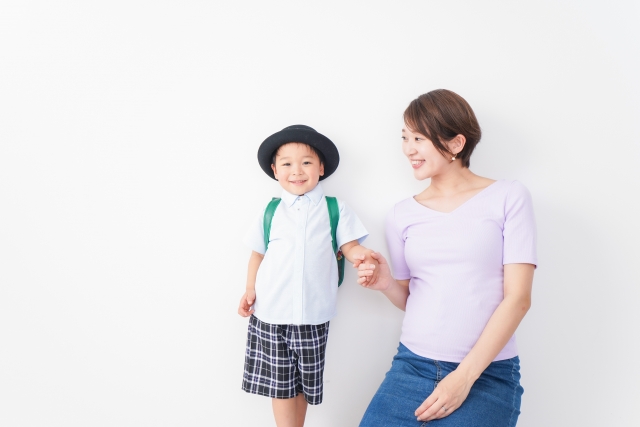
(349, 226)
(519, 230)
(395, 244)
(254, 236)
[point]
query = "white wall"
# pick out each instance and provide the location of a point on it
(128, 137)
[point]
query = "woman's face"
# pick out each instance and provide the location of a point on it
(424, 158)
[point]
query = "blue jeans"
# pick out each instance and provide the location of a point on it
(494, 399)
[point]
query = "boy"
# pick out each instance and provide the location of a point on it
(292, 283)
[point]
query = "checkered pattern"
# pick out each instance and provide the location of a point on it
(285, 360)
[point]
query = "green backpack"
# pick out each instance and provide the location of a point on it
(334, 218)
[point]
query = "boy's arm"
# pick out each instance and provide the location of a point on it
(356, 254)
(249, 298)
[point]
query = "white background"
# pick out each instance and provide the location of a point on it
(128, 139)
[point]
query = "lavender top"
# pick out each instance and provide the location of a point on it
(455, 263)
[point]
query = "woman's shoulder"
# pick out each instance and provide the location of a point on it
(509, 187)
(516, 189)
(400, 210)
(399, 216)
(404, 203)
(511, 193)
(403, 206)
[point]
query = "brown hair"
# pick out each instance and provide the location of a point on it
(440, 115)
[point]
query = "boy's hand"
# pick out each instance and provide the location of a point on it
(379, 269)
(373, 264)
(367, 269)
(246, 303)
(359, 261)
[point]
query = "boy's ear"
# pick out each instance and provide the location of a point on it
(321, 169)
(275, 173)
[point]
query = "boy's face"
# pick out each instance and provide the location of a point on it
(297, 168)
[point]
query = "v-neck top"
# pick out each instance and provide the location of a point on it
(455, 263)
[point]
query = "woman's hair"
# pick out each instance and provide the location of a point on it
(440, 115)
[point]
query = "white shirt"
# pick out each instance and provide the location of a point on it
(297, 281)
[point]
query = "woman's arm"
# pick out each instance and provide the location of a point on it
(396, 290)
(454, 388)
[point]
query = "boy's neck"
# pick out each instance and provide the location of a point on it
(310, 194)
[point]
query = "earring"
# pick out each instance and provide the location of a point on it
(453, 158)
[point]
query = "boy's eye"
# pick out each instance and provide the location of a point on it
(306, 163)
(285, 164)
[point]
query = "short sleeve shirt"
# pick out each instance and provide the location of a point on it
(455, 263)
(297, 281)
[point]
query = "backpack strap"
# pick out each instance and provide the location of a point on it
(268, 217)
(334, 218)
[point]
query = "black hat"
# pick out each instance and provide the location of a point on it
(305, 135)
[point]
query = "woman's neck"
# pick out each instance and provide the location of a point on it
(454, 181)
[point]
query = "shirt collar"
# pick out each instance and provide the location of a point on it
(314, 195)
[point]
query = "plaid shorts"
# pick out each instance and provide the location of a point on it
(285, 360)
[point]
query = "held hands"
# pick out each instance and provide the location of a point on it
(246, 302)
(446, 398)
(373, 271)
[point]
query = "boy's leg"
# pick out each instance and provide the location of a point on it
(301, 409)
(306, 346)
(310, 342)
(290, 412)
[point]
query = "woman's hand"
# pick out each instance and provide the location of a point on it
(366, 272)
(450, 393)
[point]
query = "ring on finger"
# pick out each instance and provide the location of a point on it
(444, 409)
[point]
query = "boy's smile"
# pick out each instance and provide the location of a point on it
(297, 168)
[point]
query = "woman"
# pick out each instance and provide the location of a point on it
(463, 254)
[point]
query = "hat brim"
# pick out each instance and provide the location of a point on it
(310, 137)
